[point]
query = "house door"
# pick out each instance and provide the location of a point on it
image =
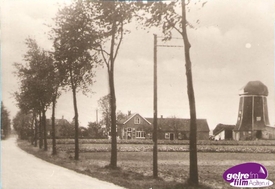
(228, 135)
(259, 134)
(172, 136)
(129, 133)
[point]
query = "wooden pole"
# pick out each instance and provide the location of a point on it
(155, 130)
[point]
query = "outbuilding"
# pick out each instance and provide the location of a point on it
(223, 132)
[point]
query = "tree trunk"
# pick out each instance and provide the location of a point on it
(35, 131)
(76, 156)
(53, 127)
(32, 129)
(45, 130)
(113, 163)
(40, 132)
(193, 169)
(73, 86)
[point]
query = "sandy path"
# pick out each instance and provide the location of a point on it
(21, 170)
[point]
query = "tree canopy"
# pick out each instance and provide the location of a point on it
(36, 77)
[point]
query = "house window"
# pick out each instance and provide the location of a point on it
(137, 120)
(140, 133)
(167, 135)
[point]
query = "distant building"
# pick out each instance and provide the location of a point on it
(253, 121)
(134, 126)
(63, 128)
(178, 128)
(223, 132)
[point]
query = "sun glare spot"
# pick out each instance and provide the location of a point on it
(248, 45)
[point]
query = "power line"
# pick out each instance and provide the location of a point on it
(161, 37)
(169, 45)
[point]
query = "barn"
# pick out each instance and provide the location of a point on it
(223, 132)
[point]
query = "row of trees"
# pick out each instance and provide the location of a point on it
(38, 89)
(24, 125)
(5, 122)
(88, 34)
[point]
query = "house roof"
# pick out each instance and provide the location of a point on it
(129, 117)
(58, 122)
(83, 128)
(170, 124)
(125, 119)
(221, 127)
(254, 88)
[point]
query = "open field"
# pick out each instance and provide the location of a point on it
(135, 168)
(170, 142)
(231, 146)
(167, 148)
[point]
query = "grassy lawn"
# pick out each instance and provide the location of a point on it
(135, 168)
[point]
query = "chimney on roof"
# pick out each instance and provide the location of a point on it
(129, 113)
(161, 116)
(62, 116)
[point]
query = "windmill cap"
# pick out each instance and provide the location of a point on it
(254, 88)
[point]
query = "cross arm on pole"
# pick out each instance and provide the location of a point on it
(169, 45)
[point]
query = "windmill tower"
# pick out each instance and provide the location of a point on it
(253, 112)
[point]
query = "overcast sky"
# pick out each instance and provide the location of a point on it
(232, 43)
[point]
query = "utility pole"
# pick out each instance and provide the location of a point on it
(155, 130)
(155, 122)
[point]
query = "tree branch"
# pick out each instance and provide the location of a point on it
(104, 58)
(101, 49)
(120, 40)
(173, 25)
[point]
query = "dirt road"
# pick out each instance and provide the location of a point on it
(21, 170)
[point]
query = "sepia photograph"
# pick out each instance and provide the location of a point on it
(137, 94)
